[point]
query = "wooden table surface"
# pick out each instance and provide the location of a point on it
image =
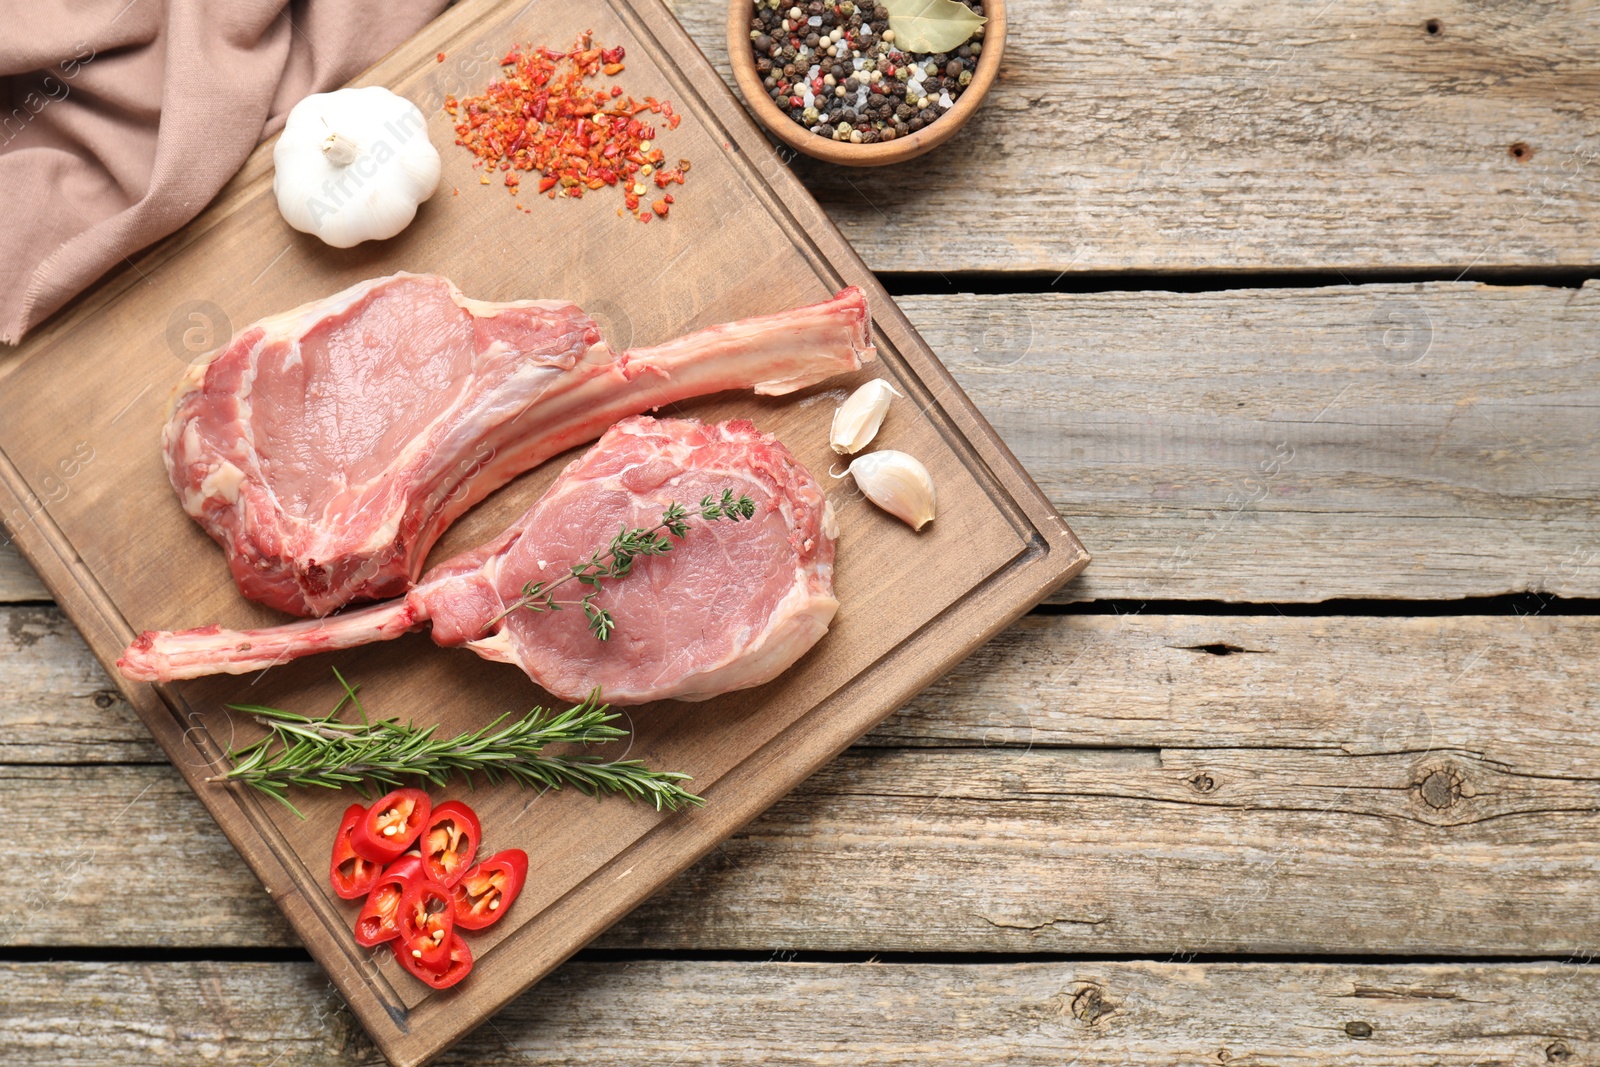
(1287, 308)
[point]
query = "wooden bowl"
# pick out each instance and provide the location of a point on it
(796, 136)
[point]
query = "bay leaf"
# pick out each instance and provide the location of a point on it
(930, 26)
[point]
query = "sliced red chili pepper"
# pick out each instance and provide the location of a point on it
(450, 842)
(408, 867)
(425, 921)
(488, 890)
(352, 875)
(375, 924)
(457, 964)
(391, 825)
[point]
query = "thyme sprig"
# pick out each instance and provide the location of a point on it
(300, 750)
(616, 560)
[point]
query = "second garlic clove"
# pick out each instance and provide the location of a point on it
(856, 421)
(898, 484)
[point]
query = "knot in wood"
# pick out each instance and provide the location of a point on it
(1440, 787)
(1203, 783)
(1091, 1004)
(1557, 1052)
(104, 699)
(1358, 1029)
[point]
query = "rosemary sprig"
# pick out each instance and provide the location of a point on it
(616, 560)
(303, 751)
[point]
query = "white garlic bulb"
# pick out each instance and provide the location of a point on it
(898, 484)
(352, 165)
(856, 421)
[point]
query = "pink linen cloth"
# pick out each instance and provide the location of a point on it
(121, 119)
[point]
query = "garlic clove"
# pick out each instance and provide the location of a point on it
(898, 484)
(856, 421)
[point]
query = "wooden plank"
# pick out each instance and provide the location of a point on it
(657, 1011)
(1219, 135)
(56, 703)
(1425, 442)
(135, 835)
(1523, 691)
(1408, 441)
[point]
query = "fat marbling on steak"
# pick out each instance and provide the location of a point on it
(327, 448)
(732, 605)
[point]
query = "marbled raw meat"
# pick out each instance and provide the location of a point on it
(732, 605)
(326, 449)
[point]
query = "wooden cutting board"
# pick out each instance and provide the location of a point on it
(85, 495)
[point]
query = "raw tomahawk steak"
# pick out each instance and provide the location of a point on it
(326, 449)
(730, 606)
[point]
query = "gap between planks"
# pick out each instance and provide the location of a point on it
(913, 283)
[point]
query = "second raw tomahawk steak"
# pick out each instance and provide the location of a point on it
(732, 605)
(326, 449)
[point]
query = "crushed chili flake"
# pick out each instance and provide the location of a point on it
(439, 58)
(541, 116)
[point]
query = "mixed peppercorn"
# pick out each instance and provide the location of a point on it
(834, 69)
(545, 116)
